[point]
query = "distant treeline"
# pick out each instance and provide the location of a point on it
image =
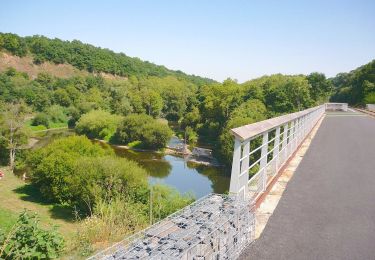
(87, 57)
(356, 87)
(203, 109)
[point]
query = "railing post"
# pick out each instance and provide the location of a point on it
(276, 149)
(285, 140)
(297, 132)
(240, 169)
(263, 161)
(234, 187)
(291, 138)
(244, 172)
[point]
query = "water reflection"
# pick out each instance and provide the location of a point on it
(171, 170)
(46, 137)
(175, 171)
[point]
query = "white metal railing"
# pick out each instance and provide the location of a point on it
(262, 148)
(337, 106)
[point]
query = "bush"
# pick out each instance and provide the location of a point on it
(166, 200)
(26, 240)
(114, 219)
(152, 133)
(98, 124)
(74, 171)
(56, 114)
(155, 135)
(52, 167)
(191, 136)
(130, 129)
(41, 119)
(111, 221)
(106, 178)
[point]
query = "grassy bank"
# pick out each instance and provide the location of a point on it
(52, 125)
(16, 195)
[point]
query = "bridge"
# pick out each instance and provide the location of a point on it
(327, 210)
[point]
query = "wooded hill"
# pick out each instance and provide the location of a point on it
(356, 87)
(87, 57)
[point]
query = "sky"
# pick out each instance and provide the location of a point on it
(211, 38)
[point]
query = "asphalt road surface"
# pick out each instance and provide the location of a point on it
(328, 208)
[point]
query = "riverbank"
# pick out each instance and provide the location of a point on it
(188, 155)
(17, 195)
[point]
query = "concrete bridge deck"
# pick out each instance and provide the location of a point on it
(328, 208)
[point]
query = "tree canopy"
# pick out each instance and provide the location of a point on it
(356, 87)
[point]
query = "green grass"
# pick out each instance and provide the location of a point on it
(52, 125)
(7, 219)
(135, 144)
(16, 195)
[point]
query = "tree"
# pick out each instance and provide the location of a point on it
(155, 135)
(249, 112)
(144, 128)
(13, 129)
(56, 114)
(321, 88)
(98, 124)
(53, 166)
(41, 119)
(130, 129)
(191, 119)
(153, 102)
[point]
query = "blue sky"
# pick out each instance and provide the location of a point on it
(216, 39)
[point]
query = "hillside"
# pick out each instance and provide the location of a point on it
(356, 87)
(26, 64)
(86, 57)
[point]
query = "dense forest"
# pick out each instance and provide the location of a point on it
(356, 87)
(87, 57)
(142, 109)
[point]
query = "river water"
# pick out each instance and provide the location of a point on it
(172, 170)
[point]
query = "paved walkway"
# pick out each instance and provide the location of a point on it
(328, 208)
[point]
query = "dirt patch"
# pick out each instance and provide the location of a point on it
(25, 64)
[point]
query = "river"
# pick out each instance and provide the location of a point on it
(172, 170)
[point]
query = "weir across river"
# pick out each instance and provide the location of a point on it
(326, 212)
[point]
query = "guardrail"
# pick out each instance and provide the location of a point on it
(337, 106)
(262, 148)
(370, 107)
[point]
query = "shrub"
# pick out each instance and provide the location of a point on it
(130, 129)
(370, 98)
(166, 200)
(155, 135)
(114, 219)
(41, 119)
(56, 114)
(106, 178)
(98, 124)
(74, 171)
(111, 221)
(52, 167)
(26, 240)
(152, 133)
(191, 136)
